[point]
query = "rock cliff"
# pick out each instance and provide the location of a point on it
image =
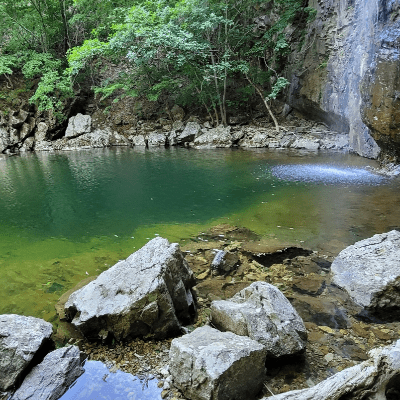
(345, 72)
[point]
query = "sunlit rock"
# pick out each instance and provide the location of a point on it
(149, 293)
(369, 271)
(53, 376)
(20, 339)
(211, 365)
(263, 313)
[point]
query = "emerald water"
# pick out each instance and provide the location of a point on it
(67, 215)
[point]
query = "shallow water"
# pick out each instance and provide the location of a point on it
(67, 215)
(99, 383)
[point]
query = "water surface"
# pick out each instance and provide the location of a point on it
(67, 215)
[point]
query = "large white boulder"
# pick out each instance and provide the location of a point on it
(211, 365)
(20, 339)
(78, 125)
(262, 312)
(149, 293)
(369, 271)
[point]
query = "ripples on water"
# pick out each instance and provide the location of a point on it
(327, 174)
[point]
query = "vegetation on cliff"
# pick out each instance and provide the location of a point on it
(213, 54)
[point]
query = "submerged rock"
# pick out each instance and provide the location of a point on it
(376, 378)
(21, 338)
(211, 365)
(53, 376)
(369, 271)
(149, 293)
(263, 313)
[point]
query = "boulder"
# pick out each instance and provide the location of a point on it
(191, 131)
(78, 125)
(214, 138)
(263, 313)
(306, 144)
(224, 262)
(17, 120)
(369, 271)
(374, 379)
(149, 293)
(211, 365)
(53, 376)
(255, 138)
(118, 140)
(138, 140)
(21, 338)
(4, 139)
(41, 132)
(156, 139)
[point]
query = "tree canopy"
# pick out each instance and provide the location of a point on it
(212, 53)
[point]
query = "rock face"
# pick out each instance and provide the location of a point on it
(370, 272)
(78, 125)
(53, 376)
(376, 378)
(348, 75)
(20, 339)
(263, 313)
(211, 365)
(149, 293)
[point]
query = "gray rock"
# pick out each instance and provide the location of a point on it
(263, 313)
(156, 139)
(373, 379)
(214, 138)
(53, 376)
(41, 132)
(4, 139)
(306, 144)
(17, 120)
(369, 270)
(224, 261)
(211, 365)
(149, 293)
(78, 125)
(28, 144)
(191, 131)
(20, 339)
(118, 140)
(138, 140)
(255, 138)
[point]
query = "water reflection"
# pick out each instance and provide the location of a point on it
(99, 383)
(327, 174)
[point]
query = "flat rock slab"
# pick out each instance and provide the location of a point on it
(20, 339)
(369, 271)
(211, 365)
(149, 293)
(374, 379)
(262, 312)
(50, 379)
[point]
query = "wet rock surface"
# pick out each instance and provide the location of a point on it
(263, 313)
(370, 271)
(207, 364)
(149, 293)
(21, 339)
(53, 376)
(376, 378)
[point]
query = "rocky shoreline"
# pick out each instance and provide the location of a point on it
(226, 260)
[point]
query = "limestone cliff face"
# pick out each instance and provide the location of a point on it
(347, 72)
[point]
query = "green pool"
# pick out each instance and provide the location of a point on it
(67, 215)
